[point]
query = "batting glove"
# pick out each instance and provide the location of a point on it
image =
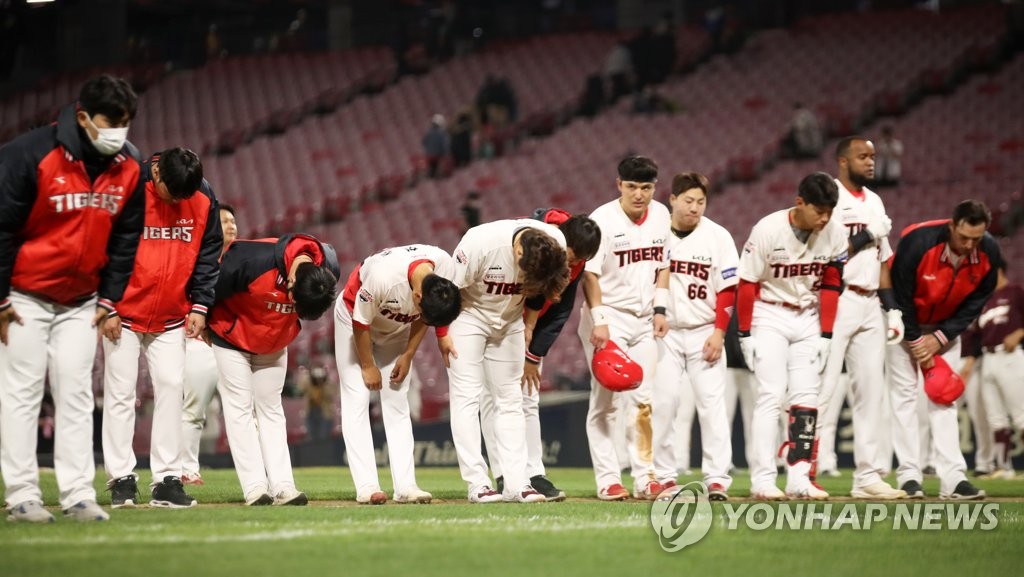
(894, 322)
(824, 349)
(747, 346)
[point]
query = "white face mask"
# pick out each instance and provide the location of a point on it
(110, 140)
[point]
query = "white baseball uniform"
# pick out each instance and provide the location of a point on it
(488, 336)
(701, 265)
(626, 264)
(859, 337)
(379, 297)
(200, 386)
(786, 330)
(1001, 370)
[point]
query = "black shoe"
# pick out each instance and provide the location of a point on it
(965, 491)
(913, 490)
(499, 482)
(170, 493)
(124, 493)
(542, 485)
(928, 471)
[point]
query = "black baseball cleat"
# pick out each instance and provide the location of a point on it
(913, 489)
(965, 491)
(542, 485)
(499, 482)
(124, 493)
(170, 493)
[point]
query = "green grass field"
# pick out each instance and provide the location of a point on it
(582, 536)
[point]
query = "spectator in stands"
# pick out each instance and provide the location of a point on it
(496, 102)
(663, 49)
(649, 101)
(888, 151)
(462, 139)
(436, 145)
(317, 391)
(618, 69)
(471, 210)
(593, 99)
(805, 137)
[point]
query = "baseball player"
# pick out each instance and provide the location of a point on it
(702, 283)
(168, 296)
(942, 274)
(497, 266)
(794, 259)
(265, 287)
(379, 321)
(970, 371)
(626, 290)
(861, 328)
(201, 376)
(1002, 328)
(543, 321)
(71, 212)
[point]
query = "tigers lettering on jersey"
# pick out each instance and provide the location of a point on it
(182, 233)
(503, 288)
(80, 200)
(798, 269)
(398, 317)
(283, 308)
(855, 227)
(699, 270)
(633, 255)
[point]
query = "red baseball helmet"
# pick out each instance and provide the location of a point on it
(614, 369)
(941, 383)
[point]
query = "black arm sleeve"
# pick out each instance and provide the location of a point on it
(204, 275)
(909, 253)
(18, 190)
(123, 243)
(549, 326)
(971, 307)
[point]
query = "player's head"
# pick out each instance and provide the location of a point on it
(313, 291)
(106, 106)
(971, 219)
(816, 198)
(177, 175)
(439, 301)
(856, 158)
(228, 225)
(638, 176)
(582, 237)
(542, 263)
(689, 199)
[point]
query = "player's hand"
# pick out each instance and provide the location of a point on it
(894, 324)
(401, 369)
(97, 318)
(372, 378)
(7, 316)
(207, 336)
(1012, 341)
(111, 328)
(194, 325)
(924, 348)
(879, 226)
(749, 355)
(599, 336)
(822, 353)
(531, 377)
(660, 326)
(713, 347)
(528, 333)
(447, 347)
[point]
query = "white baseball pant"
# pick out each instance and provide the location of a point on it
(534, 443)
(685, 415)
(785, 365)
(490, 362)
(165, 355)
(907, 384)
(858, 337)
(740, 386)
(200, 385)
(58, 340)
(1004, 401)
(250, 388)
(680, 353)
(635, 336)
(355, 410)
(984, 449)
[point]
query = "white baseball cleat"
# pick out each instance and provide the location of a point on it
(769, 493)
(414, 495)
(31, 512)
(810, 491)
(291, 497)
(259, 499)
(484, 494)
(880, 491)
(526, 494)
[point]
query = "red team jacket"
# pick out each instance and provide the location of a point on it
(176, 265)
(928, 290)
(64, 236)
(253, 312)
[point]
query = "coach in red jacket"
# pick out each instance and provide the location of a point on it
(265, 287)
(942, 274)
(71, 207)
(166, 302)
